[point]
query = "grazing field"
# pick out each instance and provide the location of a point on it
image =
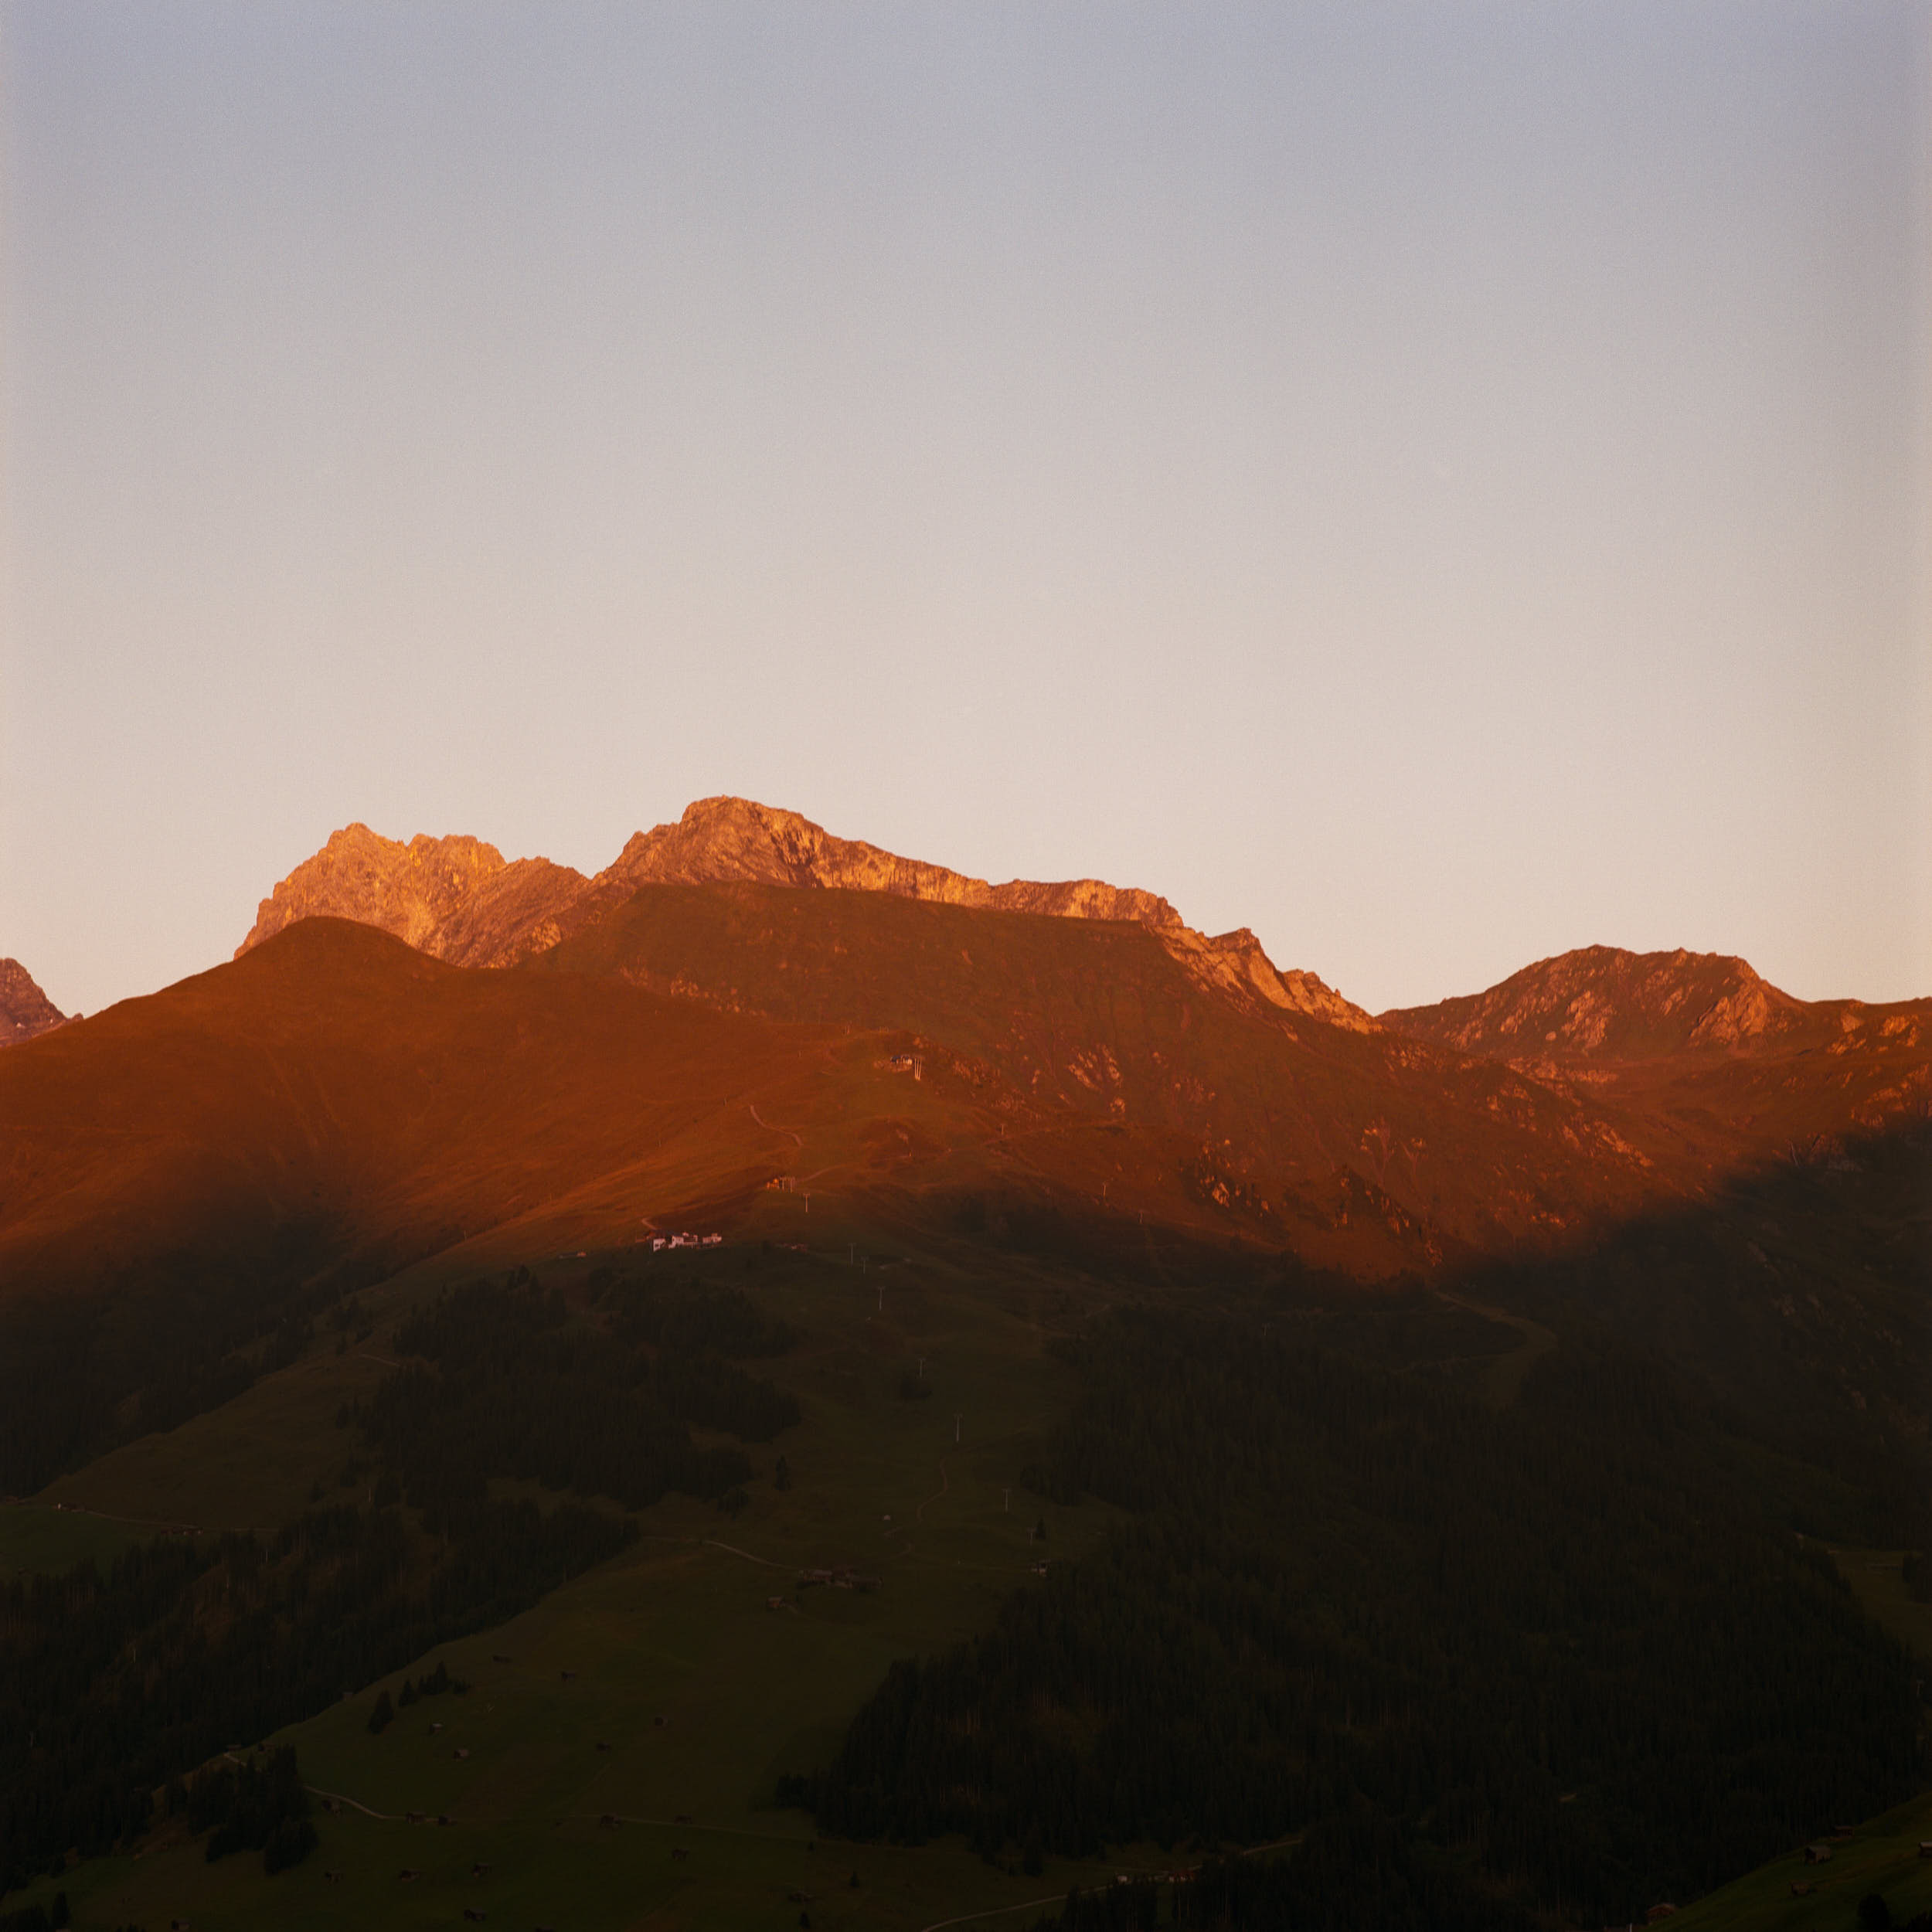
(35, 1536)
(1789, 1894)
(679, 1632)
(1877, 1579)
(250, 1464)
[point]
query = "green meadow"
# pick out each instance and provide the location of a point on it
(38, 1534)
(1791, 1895)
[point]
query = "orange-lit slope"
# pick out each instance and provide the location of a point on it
(1095, 1021)
(333, 1086)
(335, 1075)
(334, 1078)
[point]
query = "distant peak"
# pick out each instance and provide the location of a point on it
(25, 1010)
(415, 891)
(1605, 1002)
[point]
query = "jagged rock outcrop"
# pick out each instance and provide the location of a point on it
(1235, 963)
(458, 899)
(25, 1010)
(719, 838)
(455, 898)
(1602, 1004)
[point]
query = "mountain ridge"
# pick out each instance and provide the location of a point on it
(1586, 1015)
(457, 899)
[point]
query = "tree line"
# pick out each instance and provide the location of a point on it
(252, 1806)
(114, 1682)
(164, 1340)
(509, 1383)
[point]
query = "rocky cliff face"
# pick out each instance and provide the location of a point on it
(453, 898)
(458, 899)
(1236, 965)
(1602, 1006)
(25, 1010)
(719, 838)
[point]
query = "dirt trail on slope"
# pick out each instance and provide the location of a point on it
(1504, 1377)
(919, 1515)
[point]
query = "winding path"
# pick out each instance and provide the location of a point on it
(1504, 1376)
(798, 1140)
(1031, 1905)
(709, 1543)
(919, 1515)
(137, 1522)
(336, 1797)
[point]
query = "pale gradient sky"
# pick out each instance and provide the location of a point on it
(1437, 484)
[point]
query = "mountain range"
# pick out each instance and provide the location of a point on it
(457, 899)
(1668, 1066)
(1547, 1364)
(1078, 1043)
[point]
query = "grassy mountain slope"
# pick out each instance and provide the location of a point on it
(223, 1159)
(337, 1077)
(191, 1179)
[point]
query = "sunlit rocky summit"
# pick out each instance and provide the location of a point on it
(458, 899)
(1601, 1005)
(25, 1010)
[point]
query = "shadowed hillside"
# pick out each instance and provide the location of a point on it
(191, 1179)
(1799, 1291)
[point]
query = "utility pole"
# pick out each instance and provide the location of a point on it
(1009, 1502)
(956, 1423)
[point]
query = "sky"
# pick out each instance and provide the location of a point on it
(1437, 484)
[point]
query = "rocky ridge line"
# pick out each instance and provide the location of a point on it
(457, 899)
